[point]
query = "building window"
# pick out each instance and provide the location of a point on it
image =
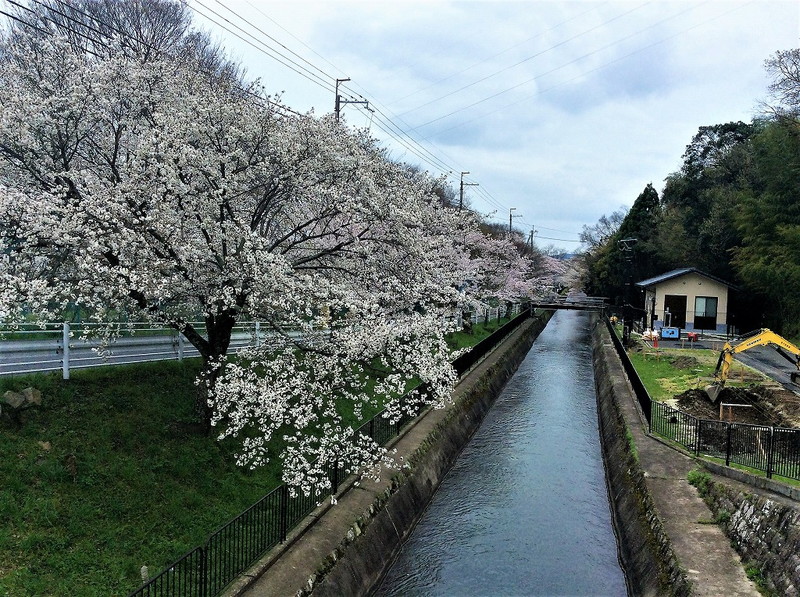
(705, 312)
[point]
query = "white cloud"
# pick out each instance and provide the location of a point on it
(593, 100)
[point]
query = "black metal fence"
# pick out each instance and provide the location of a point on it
(773, 450)
(642, 395)
(234, 547)
(467, 360)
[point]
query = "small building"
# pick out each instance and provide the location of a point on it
(687, 299)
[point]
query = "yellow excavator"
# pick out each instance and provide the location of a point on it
(760, 338)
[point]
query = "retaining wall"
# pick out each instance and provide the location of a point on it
(644, 548)
(765, 532)
(372, 542)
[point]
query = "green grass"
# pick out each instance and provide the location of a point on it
(480, 331)
(664, 381)
(102, 480)
(105, 478)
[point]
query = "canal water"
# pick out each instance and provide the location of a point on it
(525, 510)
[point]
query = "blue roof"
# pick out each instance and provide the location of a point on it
(677, 273)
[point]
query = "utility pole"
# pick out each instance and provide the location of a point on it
(461, 193)
(511, 218)
(626, 245)
(337, 107)
(531, 237)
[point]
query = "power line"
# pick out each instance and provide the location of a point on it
(265, 34)
(385, 124)
(573, 61)
(583, 74)
(382, 121)
(263, 48)
(274, 105)
(455, 74)
(528, 59)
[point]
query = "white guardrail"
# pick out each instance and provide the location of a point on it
(61, 346)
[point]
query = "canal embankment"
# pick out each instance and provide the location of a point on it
(673, 546)
(344, 549)
(668, 541)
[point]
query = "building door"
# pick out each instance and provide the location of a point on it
(705, 313)
(675, 311)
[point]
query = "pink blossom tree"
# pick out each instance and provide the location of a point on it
(148, 189)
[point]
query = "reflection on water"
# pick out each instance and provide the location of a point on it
(524, 511)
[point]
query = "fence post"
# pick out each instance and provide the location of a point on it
(181, 344)
(284, 502)
(258, 334)
(203, 588)
(335, 480)
(697, 437)
(728, 447)
(771, 453)
(65, 350)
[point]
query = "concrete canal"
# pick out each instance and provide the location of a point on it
(525, 509)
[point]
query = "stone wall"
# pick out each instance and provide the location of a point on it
(764, 531)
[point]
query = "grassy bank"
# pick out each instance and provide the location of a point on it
(672, 371)
(105, 478)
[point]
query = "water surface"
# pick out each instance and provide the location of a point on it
(524, 511)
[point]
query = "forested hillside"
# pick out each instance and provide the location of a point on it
(732, 210)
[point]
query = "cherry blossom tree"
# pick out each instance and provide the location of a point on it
(143, 188)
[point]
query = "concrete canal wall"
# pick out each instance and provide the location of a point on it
(644, 547)
(360, 561)
(375, 519)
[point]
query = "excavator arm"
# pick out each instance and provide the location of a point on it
(760, 338)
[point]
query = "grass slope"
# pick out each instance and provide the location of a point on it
(103, 479)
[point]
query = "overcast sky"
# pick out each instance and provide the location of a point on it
(563, 111)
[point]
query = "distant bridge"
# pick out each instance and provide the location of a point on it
(575, 301)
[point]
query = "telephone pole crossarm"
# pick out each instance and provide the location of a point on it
(461, 193)
(511, 217)
(340, 102)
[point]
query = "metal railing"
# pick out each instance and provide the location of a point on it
(62, 346)
(773, 450)
(642, 395)
(234, 547)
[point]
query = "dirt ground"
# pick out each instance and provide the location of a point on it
(757, 404)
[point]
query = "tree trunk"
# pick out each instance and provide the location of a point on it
(219, 328)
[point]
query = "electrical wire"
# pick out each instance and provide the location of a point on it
(284, 110)
(578, 59)
(263, 48)
(580, 76)
(488, 58)
(283, 46)
(529, 58)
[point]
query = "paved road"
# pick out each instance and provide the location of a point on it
(767, 360)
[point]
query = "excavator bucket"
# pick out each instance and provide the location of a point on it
(713, 391)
